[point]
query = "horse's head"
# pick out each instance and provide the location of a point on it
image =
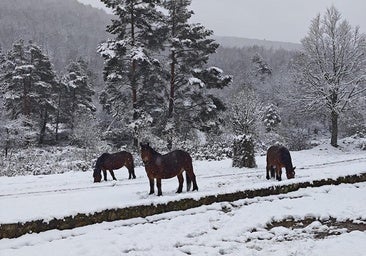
(146, 152)
(97, 174)
(290, 173)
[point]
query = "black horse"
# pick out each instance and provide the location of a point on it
(167, 166)
(112, 162)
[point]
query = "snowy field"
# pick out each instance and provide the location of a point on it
(238, 228)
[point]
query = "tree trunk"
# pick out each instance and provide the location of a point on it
(58, 115)
(43, 128)
(171, 99)
(133, 78)
(7, 142)
(334, 129)
(172, 86)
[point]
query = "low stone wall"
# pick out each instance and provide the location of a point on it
(18, 229)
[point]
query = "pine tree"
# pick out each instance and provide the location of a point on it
(189, 48)
(29, 82)
(44, 88)
(271, 117)
(261, 68)
(128, 58)
(78, 92)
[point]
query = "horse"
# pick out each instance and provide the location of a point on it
(158, 166)
(112, 162)
(277, 158)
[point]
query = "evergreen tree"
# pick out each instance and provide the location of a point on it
(78, 92)
(29, 83)
(261, 68)
(189, 48)
(128, 57)
(271, 117)
(2, 73)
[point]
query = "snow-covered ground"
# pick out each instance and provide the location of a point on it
(237, 228)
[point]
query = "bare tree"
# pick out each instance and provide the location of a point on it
(331, 69)
(245, 112)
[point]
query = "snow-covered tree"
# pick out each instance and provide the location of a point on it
(271, 117)
(29, 85)
(128, 56)
(78, 92)
(261, 68)
(331, 69)
(244, 112)
(189, 47)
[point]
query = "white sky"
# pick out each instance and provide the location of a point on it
(275, 20)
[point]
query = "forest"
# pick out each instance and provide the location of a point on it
(76, 82)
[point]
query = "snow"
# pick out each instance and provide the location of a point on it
(195, 80)
(237, 228)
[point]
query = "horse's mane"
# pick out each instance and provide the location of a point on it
(154, 152)
(101, 159)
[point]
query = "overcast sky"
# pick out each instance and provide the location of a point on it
(275, 20)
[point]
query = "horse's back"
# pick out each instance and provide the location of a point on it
(278, 155)
(122, 155)
(117, 160)
(179, 156)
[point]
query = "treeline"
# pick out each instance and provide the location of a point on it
(38, 105)
(168, 82)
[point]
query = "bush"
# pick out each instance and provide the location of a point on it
(243, 152)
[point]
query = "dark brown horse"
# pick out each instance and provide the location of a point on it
(167, 166)
(109, 162)
(277, 158)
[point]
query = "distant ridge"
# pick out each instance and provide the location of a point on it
(237, 42)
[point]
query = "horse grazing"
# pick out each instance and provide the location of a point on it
(112, 162)
(278, 157)
(158, 166)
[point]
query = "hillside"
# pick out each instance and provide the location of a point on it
(237, 42)
(65, 29)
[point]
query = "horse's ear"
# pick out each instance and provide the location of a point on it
(294, 168)
(148, 144)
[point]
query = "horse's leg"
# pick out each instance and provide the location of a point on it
(278, 173)
(158, 185)
(112, 174)
(273, 171)
(105, 174)
(268, 169)
(191, 177)
(131, 172)
(180, 180)
(151, 181)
